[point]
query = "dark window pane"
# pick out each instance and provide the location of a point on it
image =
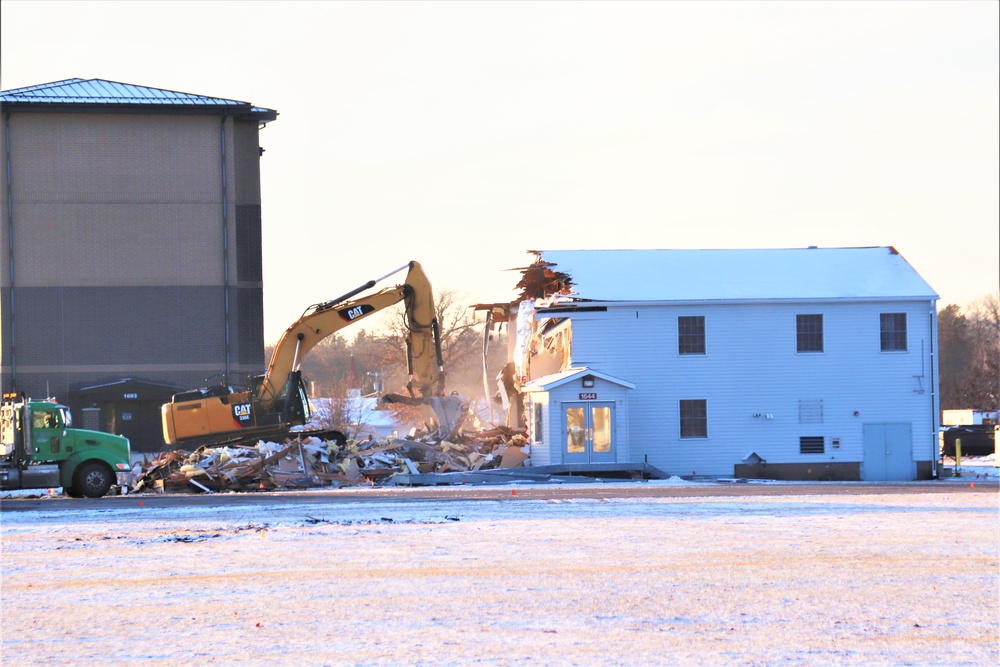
(893, 331)
(809, 333)
(691, 335)
(694, 418)
(538, 422)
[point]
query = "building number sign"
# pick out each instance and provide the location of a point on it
(588, 396)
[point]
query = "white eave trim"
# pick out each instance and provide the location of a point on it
(550, 382)
(555, 311)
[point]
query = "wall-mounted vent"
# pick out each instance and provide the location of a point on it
(811, 412)
(811, 444)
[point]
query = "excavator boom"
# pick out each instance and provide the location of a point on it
(277, 400)
(424, 363)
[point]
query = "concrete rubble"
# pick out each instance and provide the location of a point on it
(307, 461)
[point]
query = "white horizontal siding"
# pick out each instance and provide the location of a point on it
(751, 366)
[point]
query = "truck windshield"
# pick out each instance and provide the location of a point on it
(44, 419)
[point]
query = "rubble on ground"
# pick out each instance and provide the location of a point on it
(306, 461)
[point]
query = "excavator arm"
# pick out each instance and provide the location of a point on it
(423, 349)
(277, 400)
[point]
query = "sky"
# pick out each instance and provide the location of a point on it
(463, 135)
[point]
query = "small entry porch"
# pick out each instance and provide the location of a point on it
(578, 418)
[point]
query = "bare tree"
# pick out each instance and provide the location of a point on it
(969, 349)
(983, 386)
(461, 350)
(344, 410)
(955, 350)
(375, 362)
(459, 340)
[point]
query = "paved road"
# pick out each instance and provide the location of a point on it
(493, 492)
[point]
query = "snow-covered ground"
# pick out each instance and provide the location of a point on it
(972, 467)
(907, 579)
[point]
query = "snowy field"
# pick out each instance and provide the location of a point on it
(906, 579)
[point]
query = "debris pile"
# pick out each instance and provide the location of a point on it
(308, 461)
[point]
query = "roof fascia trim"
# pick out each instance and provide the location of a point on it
(540, 384)
(554, 312)
(167, 109)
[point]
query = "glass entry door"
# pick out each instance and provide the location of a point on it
(589, 428)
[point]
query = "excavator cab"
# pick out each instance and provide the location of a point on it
(220, 414)
(220, 391)
(291, 396)
(294, 399)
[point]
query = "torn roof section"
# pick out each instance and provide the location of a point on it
(539, 280)
(724, 275)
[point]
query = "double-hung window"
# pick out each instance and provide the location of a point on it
(691, 334)
(694, 418)
(892, 332)
(809, 333)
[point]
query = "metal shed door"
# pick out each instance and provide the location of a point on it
(888, 452)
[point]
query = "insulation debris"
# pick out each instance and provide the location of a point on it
(307, 461)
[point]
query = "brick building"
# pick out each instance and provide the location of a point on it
(131, 246)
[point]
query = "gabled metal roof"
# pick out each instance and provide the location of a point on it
(736, 275)
(100, 93)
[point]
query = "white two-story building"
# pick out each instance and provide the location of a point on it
(774, 363)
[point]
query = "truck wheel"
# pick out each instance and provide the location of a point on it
(93, 480)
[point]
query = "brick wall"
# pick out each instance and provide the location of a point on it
(117, 227)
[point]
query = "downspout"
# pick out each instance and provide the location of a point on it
(935, 412)
(10, 253)
(225, 245)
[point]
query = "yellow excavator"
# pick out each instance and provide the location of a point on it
(277, 401)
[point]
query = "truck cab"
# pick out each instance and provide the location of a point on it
(40, 449)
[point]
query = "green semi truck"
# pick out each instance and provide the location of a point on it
(39, 450)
